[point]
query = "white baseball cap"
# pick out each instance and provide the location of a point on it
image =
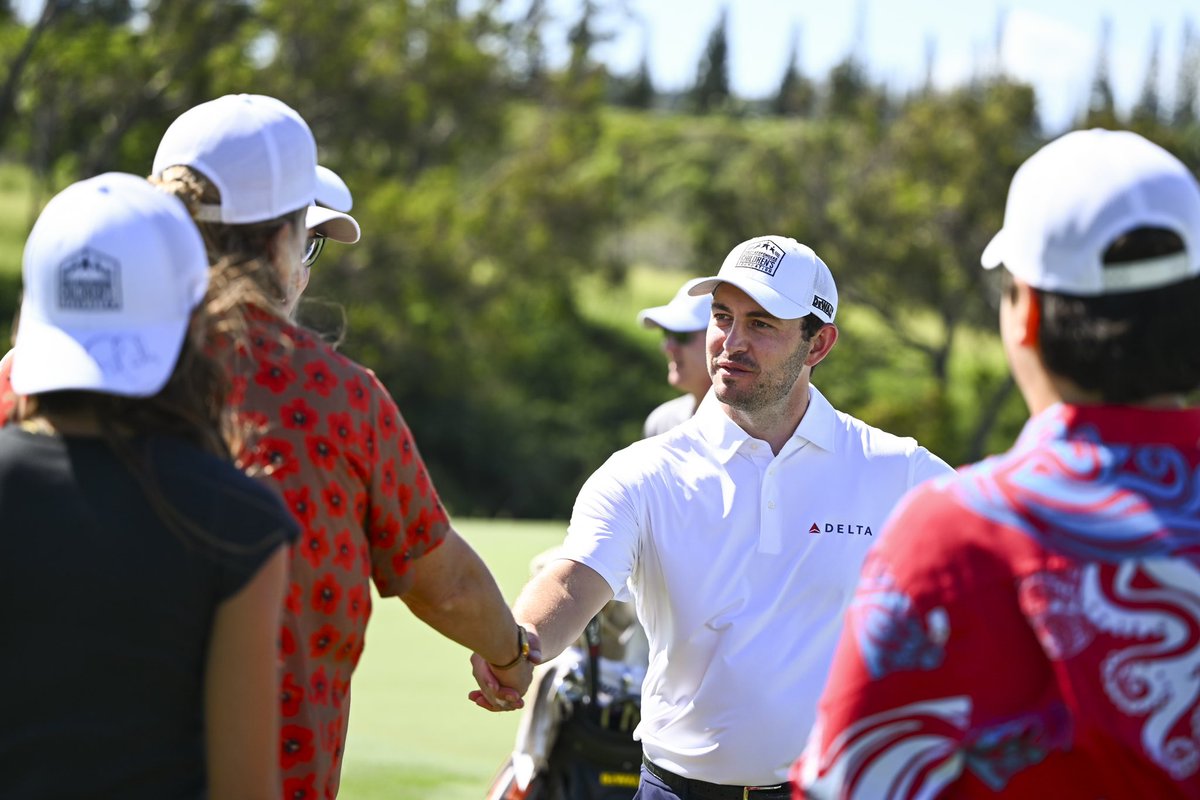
(262, 157)
(1073, 198)
(684, 314)
(783, 276)
(113, 269)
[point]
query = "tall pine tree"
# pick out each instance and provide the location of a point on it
(711, 91)
(1147, 108)
(1101, 109)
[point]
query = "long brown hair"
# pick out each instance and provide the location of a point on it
(241, 274)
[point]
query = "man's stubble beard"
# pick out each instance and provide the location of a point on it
(767, 389)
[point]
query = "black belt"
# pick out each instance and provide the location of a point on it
(703, 790)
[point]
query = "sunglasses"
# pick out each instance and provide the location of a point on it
(313, 248)
(679, 337)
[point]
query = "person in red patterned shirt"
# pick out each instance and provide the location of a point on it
(323, 431)
(1031, 626)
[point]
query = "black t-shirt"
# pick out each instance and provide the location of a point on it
(105, 611)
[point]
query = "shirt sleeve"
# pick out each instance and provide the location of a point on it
(256, 520)
(606, 524)
(405, 519)
(925, 465)
(906, 712)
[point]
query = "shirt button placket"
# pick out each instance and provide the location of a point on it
(771, 535)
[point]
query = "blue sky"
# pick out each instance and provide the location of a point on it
(1051, 43)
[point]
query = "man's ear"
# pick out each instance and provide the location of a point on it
(822, 342)
(1028, 313)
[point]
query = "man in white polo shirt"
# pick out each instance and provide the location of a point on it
(739, 536)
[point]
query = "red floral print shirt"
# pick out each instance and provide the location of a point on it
(328, 436)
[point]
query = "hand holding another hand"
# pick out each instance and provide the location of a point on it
(502, 689)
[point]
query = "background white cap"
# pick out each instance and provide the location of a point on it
(261, 156)
(113, 269)
(334, 196)
(684, 314)
(1073, 198)
(783, 276)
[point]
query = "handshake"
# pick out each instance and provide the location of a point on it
(501, 686)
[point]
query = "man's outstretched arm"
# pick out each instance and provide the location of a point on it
(555, 606)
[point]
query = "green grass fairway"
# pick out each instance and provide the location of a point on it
(413, 733)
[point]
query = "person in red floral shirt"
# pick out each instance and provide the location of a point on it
(324, 431)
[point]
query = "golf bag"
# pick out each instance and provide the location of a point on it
(576, 740)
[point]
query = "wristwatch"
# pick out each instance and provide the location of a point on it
(522, 650)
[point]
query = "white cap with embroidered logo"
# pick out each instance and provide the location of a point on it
(262, 157)
(684, 314)
(113, 269)
(1073, 198)
(783, 276)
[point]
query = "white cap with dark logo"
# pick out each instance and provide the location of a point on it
(783, 276)
(684, 314)
(112, 269)
(1077, 195)
(262, 157)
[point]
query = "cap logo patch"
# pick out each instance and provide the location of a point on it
(821, 304)
(89, 281)
(763, 256)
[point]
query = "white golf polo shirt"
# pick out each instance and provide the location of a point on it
(741, 564)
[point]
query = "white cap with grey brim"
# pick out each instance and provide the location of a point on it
(685, 312)
(1071, 200)
(262, 157)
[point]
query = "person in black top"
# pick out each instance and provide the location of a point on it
(143, 572)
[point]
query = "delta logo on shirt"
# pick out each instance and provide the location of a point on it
(844, 528)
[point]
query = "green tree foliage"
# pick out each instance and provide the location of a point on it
(1187, 84)
(638, 91)
(1148, 107)
(478, 218)
(1101, 108)
(711, 90)
(492, 188)
(850, 94)
(796, 96)
(88, 12)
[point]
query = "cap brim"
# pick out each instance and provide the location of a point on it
(670, 319)
(332, 191)
(333, 224)
(48, 358)
(993, 254)
(772, 301)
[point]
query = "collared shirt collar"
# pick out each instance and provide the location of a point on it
(725, 437)
(1113, 424)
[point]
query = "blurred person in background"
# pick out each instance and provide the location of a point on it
(683, 322)
(325, 433)
(1031, 626)
(144, 572)
(739, 535)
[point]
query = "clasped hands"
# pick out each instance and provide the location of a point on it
(502, 689)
